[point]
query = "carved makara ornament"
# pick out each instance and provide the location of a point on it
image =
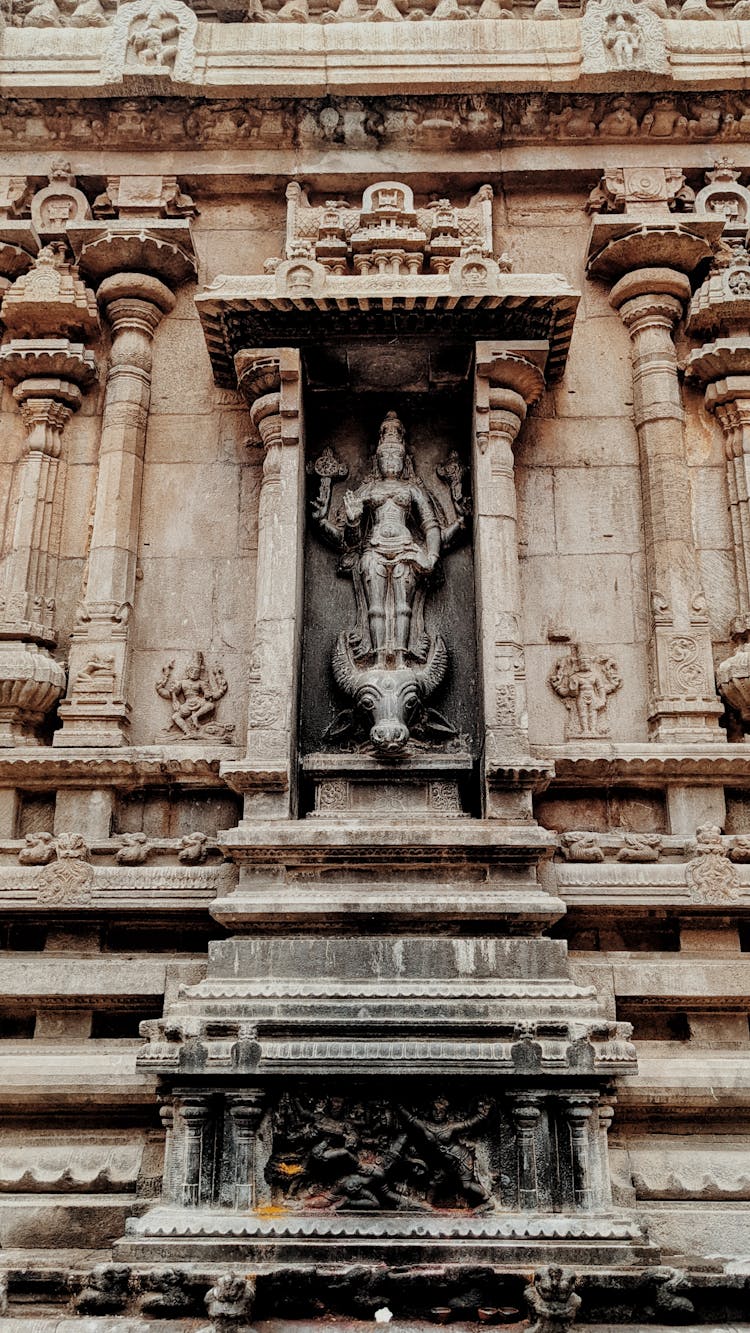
(392, 537)
(193, 697)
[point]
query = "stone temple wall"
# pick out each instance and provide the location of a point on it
(375, 600)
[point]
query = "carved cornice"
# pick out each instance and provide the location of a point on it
(655, 764)
(412, 124)
(126, 768)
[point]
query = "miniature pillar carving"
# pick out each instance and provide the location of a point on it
(270, 381)
(166, 1115)
(134, 305)
(506, 383)
(683, 705)
(526, 1114)
(246, 1112)
(579, 1113)
(194, 1180)
(606, 1113)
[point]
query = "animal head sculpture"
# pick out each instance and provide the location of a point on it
(389, 699)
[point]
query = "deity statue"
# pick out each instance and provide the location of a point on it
(193, 698)
(392, 533)
(584, 682)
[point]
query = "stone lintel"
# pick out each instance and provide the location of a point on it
(260, 311)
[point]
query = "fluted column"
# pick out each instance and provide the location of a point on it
(505, 384)
(134, 304)
(683, 704)
(270, 380)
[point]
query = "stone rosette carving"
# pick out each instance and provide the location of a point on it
(193, 695)
(584, 681)
(710, 875)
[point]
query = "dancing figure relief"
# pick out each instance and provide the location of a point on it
(391, 532)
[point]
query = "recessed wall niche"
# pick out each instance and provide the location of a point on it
(371, 601)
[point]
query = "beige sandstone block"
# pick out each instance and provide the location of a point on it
(84, 811)
(592, 598)
(597, 510)
(193, 509)
(566, 442)
(182, 380)
(536, 510)
(182, 438)
(172, 603)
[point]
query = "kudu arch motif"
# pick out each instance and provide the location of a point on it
(392, 532)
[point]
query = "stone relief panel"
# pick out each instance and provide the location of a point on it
(584, 681)
(193, 694)
(388, 595)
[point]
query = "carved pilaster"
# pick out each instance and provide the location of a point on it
(578, 1113)
(134, 304)
(48, 373)
(507, 381)
(166, 1115)
(245, 1112)
(270, 380)
(683, 704)
(606, 1114)
(526, 1112)
(720, 310)
(194, 1167)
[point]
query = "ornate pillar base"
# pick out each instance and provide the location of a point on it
(31, 682)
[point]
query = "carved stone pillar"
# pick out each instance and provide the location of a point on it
(526, 1112)
(48, 372)
(193, 1178)
(578, 1113)
(507, 381)
(637, 239)
(606, 1114)
(166, 1115)
(246, 1112)
(720, 312)
(270, 380)
(133, 304)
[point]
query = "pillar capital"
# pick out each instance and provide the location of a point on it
(650, 294)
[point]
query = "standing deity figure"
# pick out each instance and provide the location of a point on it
(392, 534)
(584, 682)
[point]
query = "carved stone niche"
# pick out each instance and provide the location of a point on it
(389, 674)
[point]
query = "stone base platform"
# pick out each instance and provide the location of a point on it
(499, 1238)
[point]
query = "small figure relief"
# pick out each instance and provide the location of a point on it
(38, 850)
(710, 875)
(133, 850)
(193, 697)
(640, 847)
(391, 532)
(584, 682)
(70, 877)
(151, 37)
(193, 849)
(230, 1304)
(621, 34)
(95, 682)
(552, 1299)
(335, 1153)
(581, 847)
